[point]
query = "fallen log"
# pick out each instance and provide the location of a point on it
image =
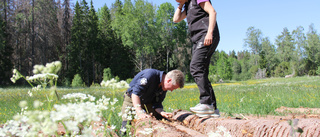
(250, 127)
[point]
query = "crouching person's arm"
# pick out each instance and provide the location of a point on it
(137, 105)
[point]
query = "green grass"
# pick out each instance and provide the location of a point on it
(11, 97)
(259, 97)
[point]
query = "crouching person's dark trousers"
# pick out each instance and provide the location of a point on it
(199, 68)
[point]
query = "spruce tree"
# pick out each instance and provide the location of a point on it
(5, 56)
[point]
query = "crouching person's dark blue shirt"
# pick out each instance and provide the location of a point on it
(146, 84)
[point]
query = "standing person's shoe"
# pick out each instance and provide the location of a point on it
(217, 112)
(202, 109)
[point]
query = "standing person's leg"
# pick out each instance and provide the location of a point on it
(211, 51)
(199, 68)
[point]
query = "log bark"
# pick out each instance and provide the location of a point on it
(255, 127)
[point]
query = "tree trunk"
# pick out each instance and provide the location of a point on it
(32, 36)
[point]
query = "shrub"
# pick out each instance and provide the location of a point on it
(66, 82)
(282, 69)
(107, 75)
(214, 78)
(117, 78)
(312, 72)
(94, 85)
(253, 70)
(318, 71)
(77, 81)
(129, 80)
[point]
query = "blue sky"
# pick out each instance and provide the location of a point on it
(236, 16)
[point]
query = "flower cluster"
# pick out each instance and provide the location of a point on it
(114, 84)
(52, 68)
(15, 128)
(42, 77)
(16, 75)
(41, 72)
(78, 97)
(130, 113)
(76, 118)
(146, 131)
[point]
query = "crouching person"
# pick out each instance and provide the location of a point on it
(147, 92)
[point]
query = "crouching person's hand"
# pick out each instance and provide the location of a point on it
(142, 115)
(166, 114)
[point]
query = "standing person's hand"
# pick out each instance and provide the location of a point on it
(181, 1)
(208, 39)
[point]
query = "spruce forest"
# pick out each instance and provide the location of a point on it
(134, 35)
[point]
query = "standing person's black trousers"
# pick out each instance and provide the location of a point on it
(199, 68)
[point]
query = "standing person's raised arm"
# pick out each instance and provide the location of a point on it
(179, 15)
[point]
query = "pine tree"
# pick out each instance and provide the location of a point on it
(313, 50)
(5, 56)
(75, 47)
(66, 32)
(224, 69)
(93, 44)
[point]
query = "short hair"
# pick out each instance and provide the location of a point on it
(177, 77)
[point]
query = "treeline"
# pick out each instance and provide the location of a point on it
(293, 54)
(130, 36)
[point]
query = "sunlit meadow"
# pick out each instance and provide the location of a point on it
(258, 97)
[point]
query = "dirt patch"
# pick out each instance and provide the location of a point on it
(301, 110)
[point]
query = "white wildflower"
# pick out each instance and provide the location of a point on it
(37, 88)
(78, 96)
(15, 76)
(30, 93)
(129, 117)
(241, 100)
(87, 132)
(146, 131)
(112, 83)
(42, 77)
(37, 104)
(113, 127)
(123, 130)
(23, 104)
(115, 100)
(71, 125)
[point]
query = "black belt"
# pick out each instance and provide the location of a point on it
(128, 94)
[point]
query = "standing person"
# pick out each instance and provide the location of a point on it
(203, 28)
(147, 92)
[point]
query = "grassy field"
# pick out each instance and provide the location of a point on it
(259, 97)
(247, 97)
